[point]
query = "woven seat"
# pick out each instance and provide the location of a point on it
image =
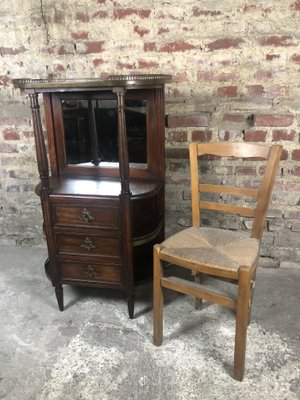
(218, 253)
(214, 248)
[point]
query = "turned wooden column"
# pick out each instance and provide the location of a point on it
(41, 153)
(125, 204)
(43, 168)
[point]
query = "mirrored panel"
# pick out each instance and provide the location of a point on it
(91, 130)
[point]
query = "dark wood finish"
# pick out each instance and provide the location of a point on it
(200, 265)
(101, 219)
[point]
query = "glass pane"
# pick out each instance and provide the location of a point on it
(91, 130)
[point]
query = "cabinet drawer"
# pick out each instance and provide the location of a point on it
(91, 272)
(89, 244)
(65, 214)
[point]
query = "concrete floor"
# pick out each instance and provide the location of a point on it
(93, 350)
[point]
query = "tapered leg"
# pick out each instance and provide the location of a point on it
(130, 302)
(60, 297)
(242, 318)
(157, 299)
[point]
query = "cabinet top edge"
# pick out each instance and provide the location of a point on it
(44, 85)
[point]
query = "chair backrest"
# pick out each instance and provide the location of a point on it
(260, 196)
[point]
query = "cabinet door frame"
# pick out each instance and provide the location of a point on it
(153, 169)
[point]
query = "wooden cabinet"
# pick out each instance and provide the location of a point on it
(103, 193)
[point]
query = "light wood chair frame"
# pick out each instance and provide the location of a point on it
(244, 277)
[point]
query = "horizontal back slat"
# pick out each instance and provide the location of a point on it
(232, 149)
(233, 209)
(243, 192)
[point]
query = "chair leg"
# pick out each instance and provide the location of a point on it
(157, 298)
(252, 292)
(242, 318)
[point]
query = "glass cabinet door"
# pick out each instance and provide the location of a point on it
(91, 130)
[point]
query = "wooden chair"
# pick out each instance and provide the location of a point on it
(218, 253)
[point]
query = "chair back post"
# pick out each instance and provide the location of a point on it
(265, 191)
(194, 184)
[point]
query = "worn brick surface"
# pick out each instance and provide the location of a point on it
(235, 77)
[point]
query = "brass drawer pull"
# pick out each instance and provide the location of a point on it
(88, 244)
(90, 271)
(86, 216)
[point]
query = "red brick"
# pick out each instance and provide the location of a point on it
(296, 5)
(180, 77)
(275, 40)
(227, 91)
(284, 155)
(201, 136)
(175, 121)
(141, 31)
(197, 12)
(163, 30)
(178, 136)
(225, 43)
(296, 171)
(216, 76)
(94, 47)
(150, 46)
(10, 134)
(14, 121)
(79, 35)
(4, 80)
(124, 65)
(58, 68)
(180, 45)
(20, 174)
(255, 136)
(82, 16)
(100, 14)
(277, 90)
(253, 7)
(273, 120)
(296, 58)
(245, 170)
(236, 118)
(255, 90)
(296, 155)
(125, 12)
(147, 64)
(181, 153)
(10, 51)
(7, 148)
(62, 51)
(281, 134)
(263, 74)
(28, 134)
(271, 57)
(98, 61)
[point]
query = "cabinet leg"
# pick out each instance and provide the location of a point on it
(130, 302)
(60, 297)
(47, 269)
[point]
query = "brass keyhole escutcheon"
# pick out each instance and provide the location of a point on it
(88, 244)
(90, 271)
(86, 216)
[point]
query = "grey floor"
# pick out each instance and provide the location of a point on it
(93, 350)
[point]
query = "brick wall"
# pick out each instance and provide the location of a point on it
(235, 67)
